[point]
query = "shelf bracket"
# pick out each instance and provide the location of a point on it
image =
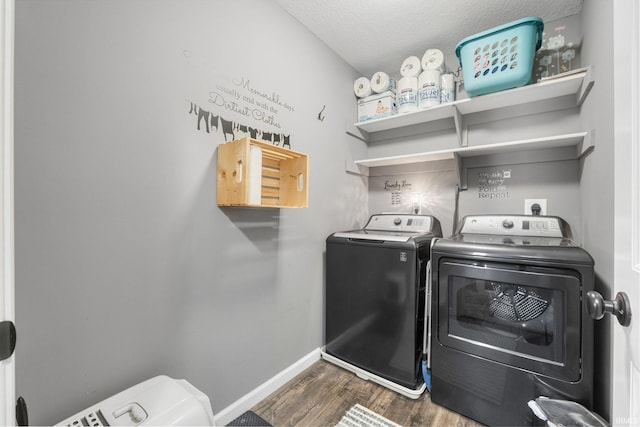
(460, 171)
(358, 133)
(587, 145)
(461, 129)
(585, 87)
(353, 168)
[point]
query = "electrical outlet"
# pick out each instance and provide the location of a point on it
(528, 203)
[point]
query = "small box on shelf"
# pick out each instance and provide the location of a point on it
(377, 106)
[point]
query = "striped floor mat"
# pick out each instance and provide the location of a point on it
(359, 416)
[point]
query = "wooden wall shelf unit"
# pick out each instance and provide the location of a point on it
(257, 174)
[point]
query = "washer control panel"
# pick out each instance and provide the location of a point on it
(515, 225)
(400, 222)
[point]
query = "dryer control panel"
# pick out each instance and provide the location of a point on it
(514, 225)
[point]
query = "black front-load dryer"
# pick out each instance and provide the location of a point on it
(375, 299)
(509, 319)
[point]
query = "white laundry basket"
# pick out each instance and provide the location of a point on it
(159, 401)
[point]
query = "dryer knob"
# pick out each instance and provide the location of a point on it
(397, 221)
(507, 223)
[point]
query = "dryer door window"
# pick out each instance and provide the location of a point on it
(523, 316)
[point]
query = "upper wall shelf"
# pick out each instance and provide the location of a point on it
(577, 83)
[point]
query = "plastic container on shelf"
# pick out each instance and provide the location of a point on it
(500, 58)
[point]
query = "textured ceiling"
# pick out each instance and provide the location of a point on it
(377, 35)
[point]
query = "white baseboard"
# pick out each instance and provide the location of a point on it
(252, 398)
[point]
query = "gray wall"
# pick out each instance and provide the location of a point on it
(558, 182)
(428, 186)
(435, 183)
(125, 266)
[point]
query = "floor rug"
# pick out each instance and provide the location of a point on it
(249, 419)
(359, 416)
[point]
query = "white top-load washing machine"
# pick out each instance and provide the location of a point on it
(375, 299)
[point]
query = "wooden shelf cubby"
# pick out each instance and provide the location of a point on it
(253, 173)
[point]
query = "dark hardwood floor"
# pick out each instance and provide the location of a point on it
(321, 395)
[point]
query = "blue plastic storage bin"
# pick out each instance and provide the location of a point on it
(500, 58)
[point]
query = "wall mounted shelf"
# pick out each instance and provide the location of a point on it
(253, 173)
(526, 100)
(580, 141)
(555, 93)
(573, 146)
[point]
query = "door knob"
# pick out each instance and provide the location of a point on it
(7, 339)
(620, 307)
